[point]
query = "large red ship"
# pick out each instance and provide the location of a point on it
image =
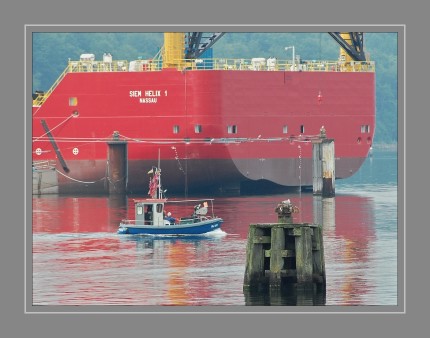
(217, 124)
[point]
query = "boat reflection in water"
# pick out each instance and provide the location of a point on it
(184, 258)
(78, 259)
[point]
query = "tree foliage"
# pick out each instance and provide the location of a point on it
(51, 52)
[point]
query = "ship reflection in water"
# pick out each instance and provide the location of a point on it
(78, 259)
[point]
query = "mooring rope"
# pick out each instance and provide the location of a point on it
(177, 159)
(74, 179)
(167, 141)
(37, 138)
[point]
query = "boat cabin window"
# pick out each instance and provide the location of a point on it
(285, 129)
(159, 208)
(302, 128)
(197, 128)
(139, 210)
(175, 129)
(148, 212)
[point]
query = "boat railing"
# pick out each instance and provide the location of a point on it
(98, 66)
(139, 222)
(180, 221)
(255, 64)
(200, 201)
(194, 219)
(82, 67)
(272, 64)
(42, 96)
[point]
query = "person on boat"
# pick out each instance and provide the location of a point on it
(148, 214)
(169, 218)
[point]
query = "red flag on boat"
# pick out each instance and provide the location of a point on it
(153, 184)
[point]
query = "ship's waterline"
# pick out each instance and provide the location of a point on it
(240, 175)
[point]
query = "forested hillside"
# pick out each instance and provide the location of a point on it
(51, 52)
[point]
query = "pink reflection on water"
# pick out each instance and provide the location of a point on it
(97, 267)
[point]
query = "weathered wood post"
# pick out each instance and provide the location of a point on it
(277, 246)
(278, 243)
(323, 168)
(304, 265)
(117, 165)
(255, 269)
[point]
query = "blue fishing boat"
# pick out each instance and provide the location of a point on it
(151, 217)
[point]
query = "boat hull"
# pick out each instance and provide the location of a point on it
(175, 230)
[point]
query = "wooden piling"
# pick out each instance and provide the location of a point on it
(277, 246)
(117, 165)
(318, 261)
(255, 270)
(323, 168)
(304, 263)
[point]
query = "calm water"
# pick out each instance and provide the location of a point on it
(78, 259)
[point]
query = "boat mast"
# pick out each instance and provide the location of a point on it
(160, 192)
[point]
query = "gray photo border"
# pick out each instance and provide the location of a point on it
(401, 306)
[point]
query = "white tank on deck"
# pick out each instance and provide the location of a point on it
(138, 65)
(87, 57)
(258, 63)
(107, 57)
(271, 63)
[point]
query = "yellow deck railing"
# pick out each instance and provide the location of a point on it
(42, 97)
(256, 64)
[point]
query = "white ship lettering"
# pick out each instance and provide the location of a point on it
(135, 93)
(148, 100)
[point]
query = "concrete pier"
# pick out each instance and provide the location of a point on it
(323, 166)
(45, 178)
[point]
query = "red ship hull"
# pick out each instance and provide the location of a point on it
(222, 128)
